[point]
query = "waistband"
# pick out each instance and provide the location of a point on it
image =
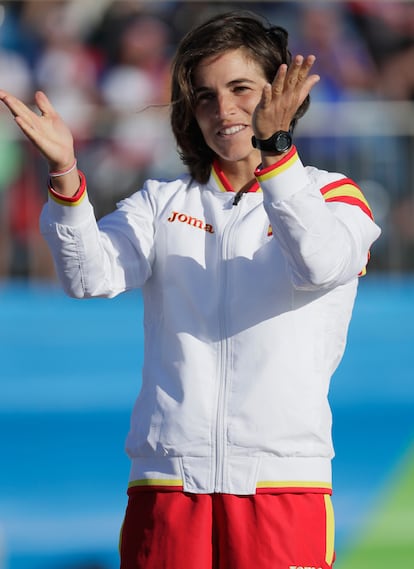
(242, 475)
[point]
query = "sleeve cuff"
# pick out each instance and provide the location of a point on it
(73, 210)
(69, 201)
(280, 165)
(284, 178)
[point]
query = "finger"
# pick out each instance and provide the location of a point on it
(308, 85)
(305, 81)
(15, 105)
(278, 84)
(35, 136)
(302, 77)
(308, 62)
(28, 130)
(306, 66)
(43, 103)
(294, 71)
(266, 96)
(287, 77)
(299, 69)
(23, 124)
(3, 94)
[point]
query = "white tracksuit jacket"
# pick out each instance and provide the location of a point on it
(246, 313)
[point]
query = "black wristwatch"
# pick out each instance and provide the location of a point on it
(280, 141)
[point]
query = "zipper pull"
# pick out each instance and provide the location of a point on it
(238, 197)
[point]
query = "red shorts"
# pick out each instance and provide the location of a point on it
(174, 530)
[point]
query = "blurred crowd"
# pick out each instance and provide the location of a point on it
(105, 66)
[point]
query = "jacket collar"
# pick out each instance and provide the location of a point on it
(219, 181)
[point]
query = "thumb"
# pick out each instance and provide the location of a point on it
(43, 103)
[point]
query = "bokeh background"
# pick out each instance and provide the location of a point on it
(70, 370)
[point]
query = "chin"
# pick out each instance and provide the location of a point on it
(236, 156)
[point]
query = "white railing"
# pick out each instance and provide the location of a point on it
(372, 142)
(369, 141)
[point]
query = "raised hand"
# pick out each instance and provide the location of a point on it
(47, 131)
(281, 99)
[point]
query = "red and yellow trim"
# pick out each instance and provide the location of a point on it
(223, 183)
(286, 162)
(294, 486)
(330, 531)
(346, 191)
(262, 487)
(156, 484)
(70, 201)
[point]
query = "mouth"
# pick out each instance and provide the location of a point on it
(231, 130)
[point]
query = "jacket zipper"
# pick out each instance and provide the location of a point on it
(221, 423)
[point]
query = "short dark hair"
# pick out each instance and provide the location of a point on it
(267, 44)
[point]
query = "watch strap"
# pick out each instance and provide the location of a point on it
(281, 141)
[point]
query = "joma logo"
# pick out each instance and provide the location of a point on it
(189, 220)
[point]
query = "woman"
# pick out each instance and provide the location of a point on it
(249, 268)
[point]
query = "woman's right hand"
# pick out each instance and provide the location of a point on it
(50, 135)
(47, 130)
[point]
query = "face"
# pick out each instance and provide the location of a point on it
(228, 88)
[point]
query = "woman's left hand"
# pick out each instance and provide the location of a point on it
(281, 99)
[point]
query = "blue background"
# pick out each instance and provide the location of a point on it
(70, 371)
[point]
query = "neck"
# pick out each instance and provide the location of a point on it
(239, 174)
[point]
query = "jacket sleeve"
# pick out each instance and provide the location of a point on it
(321, 220)
(102, 258)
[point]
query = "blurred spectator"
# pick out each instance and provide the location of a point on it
(20, 81)
(105, 66)
(66, 71)
(347, 73)
(345, 64)
(15, 72)
(140, 74)
(388, 28)
(27, 255)
(15, 36)
(16, 77)
(135, 90)
(350, 73)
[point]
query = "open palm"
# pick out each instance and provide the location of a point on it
(47, 130)
(281, 99)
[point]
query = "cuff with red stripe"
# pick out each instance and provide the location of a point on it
(72, 210)
(284, 178)
(69, 201)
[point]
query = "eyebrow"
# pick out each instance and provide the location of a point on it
(231, 83)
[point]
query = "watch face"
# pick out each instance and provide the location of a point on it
(283, 141)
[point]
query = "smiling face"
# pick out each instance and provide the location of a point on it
(228, 88)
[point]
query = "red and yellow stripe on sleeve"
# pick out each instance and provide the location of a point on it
(346, 191)
(70, 201)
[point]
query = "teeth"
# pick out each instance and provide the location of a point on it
(232, 129)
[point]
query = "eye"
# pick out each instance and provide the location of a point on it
(204, 96)
(241, 89)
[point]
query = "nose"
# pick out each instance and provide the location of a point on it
(224, 105)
